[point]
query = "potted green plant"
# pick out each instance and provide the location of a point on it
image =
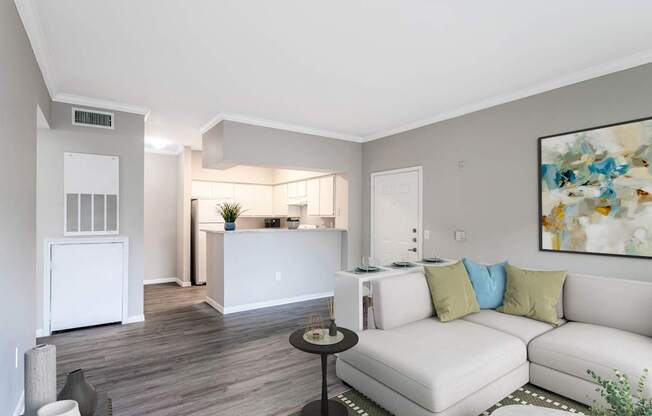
(230, 211)
(620, 399)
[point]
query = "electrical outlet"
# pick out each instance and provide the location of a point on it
(461, 164)
(16, 359)
(426, 235)
(278, 276)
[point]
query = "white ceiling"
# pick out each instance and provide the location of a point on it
(349, 69)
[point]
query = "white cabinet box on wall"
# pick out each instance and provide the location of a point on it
(257, 200)
(212, 190)
(297, 193)
(280, 200)
(321, 196)
(91, 194)
(201, 190)
(327, 196)
(312, 190)
(85, 282)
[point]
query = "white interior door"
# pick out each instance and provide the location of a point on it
(396, 216)
(86, 284)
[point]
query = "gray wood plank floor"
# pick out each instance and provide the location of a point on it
(188, 359)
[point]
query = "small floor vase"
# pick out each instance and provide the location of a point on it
(229, 226)
(81, 391)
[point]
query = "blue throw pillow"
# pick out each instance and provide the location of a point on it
(488, 283)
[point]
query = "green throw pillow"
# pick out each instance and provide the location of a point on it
(533, 294)
(451, 291)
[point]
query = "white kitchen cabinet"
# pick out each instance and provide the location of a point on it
(326, 196)
(201, 189)
(257, 200)
(279, 200)
(292, 191)
(301, 189)
(221, 190)
(264, 197)
(312, 190)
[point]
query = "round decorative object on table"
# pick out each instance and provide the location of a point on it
(325, 337)
(324, 407)
(81, 391)
(60, 408)
(521, 410)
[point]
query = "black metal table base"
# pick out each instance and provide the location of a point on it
(335, 408)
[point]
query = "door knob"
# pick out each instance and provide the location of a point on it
(414, 249)
(414, 230)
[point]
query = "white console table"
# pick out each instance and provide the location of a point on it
(350, 289)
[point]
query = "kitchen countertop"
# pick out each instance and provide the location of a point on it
(273, 230)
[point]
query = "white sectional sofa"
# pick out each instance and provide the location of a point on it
(414, 365)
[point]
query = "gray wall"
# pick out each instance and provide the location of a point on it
(494, 198)
(262, 146)
(21, 90)
(126, 142)
(160, 216)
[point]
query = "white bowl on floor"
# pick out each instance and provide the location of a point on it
(60, 408)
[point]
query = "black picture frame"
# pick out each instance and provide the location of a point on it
(540, 195)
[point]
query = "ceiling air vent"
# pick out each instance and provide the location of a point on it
(92, 118)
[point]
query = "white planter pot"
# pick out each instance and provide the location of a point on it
(60, 408)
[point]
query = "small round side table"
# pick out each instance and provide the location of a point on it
(324, 407)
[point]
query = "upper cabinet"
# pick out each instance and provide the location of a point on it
(267, 200)
(212, 190)
(297, 193)
(312, 189)
(256, 200)
(280, 200)
(201, 189)
(221, 190)
(321, 196)
(327, 196)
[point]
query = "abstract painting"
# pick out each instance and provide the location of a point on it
(596, 190)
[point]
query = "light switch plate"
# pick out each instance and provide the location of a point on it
(426, 235)
(460, 235)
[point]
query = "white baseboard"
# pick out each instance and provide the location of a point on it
(40, 332)
(20, 406)
(266, 304)
(213, 303)
(182, 283)
(159, 280)
(133, 319)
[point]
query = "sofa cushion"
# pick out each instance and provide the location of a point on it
(623, 304)
(400, 300)
(577, 347)
(488, 281)
(451, 291)
(523, 328)
(436, 364)
(533, 293)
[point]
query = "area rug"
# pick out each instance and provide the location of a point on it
(528, 395)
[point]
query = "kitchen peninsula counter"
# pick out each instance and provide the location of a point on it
(257, 268)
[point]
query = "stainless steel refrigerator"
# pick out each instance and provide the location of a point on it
(204, 217)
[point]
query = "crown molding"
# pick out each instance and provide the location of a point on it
(596, 71)
(28, 13)
(239, 118)
(102, 104)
